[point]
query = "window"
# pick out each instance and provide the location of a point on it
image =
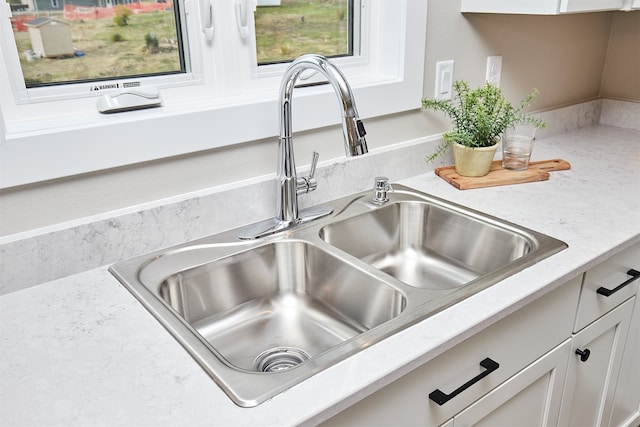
(50, 131)
(81, 47)
(95, 43)
(289, 29)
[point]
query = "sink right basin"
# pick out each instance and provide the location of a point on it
(426, 245)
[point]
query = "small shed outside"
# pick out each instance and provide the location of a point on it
(50, 37)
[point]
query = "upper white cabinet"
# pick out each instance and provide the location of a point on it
(545, 7)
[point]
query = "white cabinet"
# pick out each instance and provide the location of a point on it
(600, 382)
(530, 398)
(626, 403)
(612, 398)
(593, 370)
(631, 5)
(571, 6)
(465, 374)
(540, 7)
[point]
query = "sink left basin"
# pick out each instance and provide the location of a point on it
(273, 307)
(262, 316)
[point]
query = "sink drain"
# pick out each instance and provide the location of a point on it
(279, 359)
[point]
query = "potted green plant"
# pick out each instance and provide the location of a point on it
(479, 117)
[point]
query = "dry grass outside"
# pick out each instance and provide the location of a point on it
(104, 56)
(301, 26)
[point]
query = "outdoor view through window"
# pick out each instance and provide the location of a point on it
(93, 40)
(61, 42)
(295, 27)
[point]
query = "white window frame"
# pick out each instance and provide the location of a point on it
(219, 107)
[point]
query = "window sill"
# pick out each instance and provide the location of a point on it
(93, 141)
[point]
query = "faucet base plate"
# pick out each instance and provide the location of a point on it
(275, 225)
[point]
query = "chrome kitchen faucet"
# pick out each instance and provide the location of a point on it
(289, 184)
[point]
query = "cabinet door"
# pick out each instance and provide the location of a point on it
(540, 7)
(569, 6)
(530, 398)
(626, 403)
(593, 369)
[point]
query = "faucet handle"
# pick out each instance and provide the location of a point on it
(314, 163)
(308, 183)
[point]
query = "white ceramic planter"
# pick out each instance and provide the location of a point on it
(473, 161)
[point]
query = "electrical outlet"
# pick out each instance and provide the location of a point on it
(444, 80)
(494, 69)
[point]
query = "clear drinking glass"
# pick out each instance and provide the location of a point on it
(517, 144)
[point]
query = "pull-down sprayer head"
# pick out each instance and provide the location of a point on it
(352, 127)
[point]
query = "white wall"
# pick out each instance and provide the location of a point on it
(563, 56)
(621, 77)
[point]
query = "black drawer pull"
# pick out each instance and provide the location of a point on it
(635, 274)
(441, 397)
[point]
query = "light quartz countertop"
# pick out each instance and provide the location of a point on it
(81, 351)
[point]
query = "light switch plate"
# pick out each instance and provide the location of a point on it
(444, 80)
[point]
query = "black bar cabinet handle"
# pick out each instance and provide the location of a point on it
(635, 274)
(441, 397)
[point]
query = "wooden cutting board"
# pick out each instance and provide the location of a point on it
(538, 171)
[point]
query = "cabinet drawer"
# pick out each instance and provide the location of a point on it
(513, 343)
(530, 398)
(605, 277)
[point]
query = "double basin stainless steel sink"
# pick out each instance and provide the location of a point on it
(263, 315)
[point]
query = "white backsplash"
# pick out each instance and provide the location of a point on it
(622, 114)
(569, 118)
(38, 256)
